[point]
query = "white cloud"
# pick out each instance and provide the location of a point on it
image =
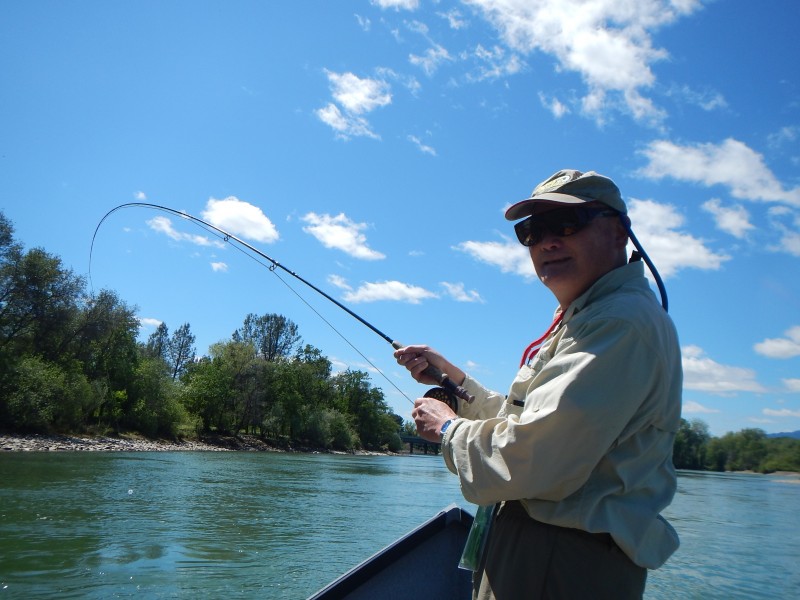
(431, 60)
(355, 96)
(784, 412)
(734, 220)
(396, 4)
(341, 233)
(785, 347)
(422, 147)
(164, 225)
(791, 385)
(459, 294)
(701, 373)
(346, 126)
(389, 290)
(510, 256)
(494, 63)
(554, 105)
(692, 407)
(786, 222)
(706, 99)
(219, 267)
(140, 196)
(240, 218)
(149, 322)
(363, 22)
(454, 18)
(657, 227)
(339, 281)
(785, 135)
(731, 164)
(607, 42)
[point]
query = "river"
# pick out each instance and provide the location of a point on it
(270, 525)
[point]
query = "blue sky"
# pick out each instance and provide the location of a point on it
(372, 146)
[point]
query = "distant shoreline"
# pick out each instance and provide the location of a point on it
(85, 443)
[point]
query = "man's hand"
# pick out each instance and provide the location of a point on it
(417, 358)
(429, 415)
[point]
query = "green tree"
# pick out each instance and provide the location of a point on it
(180, 350)
(691, 443)
(274, 336)
(158, 342)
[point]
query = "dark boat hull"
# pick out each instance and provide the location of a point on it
(422, 564)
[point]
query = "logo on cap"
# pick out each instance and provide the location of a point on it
(552, 184)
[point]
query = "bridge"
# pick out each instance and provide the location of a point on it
(422, 444)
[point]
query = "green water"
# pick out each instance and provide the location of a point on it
(264, 525)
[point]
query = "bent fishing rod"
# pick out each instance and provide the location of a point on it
(448, 387)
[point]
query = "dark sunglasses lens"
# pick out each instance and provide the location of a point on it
(561, 222)
(529, 232)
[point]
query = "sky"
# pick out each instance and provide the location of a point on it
(371, 146)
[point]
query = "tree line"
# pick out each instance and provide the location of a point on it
(70, 361)
(746, 450)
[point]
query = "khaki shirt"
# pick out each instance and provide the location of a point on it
(584, 437)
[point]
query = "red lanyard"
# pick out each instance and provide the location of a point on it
(533, 349)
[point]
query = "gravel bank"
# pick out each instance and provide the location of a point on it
(66, 443)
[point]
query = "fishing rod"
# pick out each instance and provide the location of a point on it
(447, 385)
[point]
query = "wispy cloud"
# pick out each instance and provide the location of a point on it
(341, 233)
(692, 407)
(785, 347)
(431, 59)
(701, 373)
(397, 4)
(219, 267)
(734, 220)
(607, 42)
(354, 96)
(164, 225)
(424, 148)
(557, 108)
(783, 412)
(791, 385)
(458, 293)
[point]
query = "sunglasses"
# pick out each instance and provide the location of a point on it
(561, 222)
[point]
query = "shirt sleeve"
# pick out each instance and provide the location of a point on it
(593, 390)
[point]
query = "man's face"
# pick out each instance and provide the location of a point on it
(569, 265)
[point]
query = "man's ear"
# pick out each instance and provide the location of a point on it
(623, 226)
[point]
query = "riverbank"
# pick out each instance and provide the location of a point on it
(74, 443)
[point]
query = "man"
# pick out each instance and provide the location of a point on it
(579, 453)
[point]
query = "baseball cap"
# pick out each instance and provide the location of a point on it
(570, 187)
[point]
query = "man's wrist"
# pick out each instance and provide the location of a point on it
(444, 428)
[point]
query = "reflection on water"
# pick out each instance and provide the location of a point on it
(246, 525)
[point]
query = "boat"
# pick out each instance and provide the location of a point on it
(422, 564)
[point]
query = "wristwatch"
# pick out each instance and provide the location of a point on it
(444, 428)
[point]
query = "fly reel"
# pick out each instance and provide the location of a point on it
(441, 394)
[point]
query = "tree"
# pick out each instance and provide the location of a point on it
(38, 304)
(180, 350)
(274, 336)
(158, 342)
(691, 443)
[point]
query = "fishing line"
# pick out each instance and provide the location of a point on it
(271, 268)
(273, 265)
